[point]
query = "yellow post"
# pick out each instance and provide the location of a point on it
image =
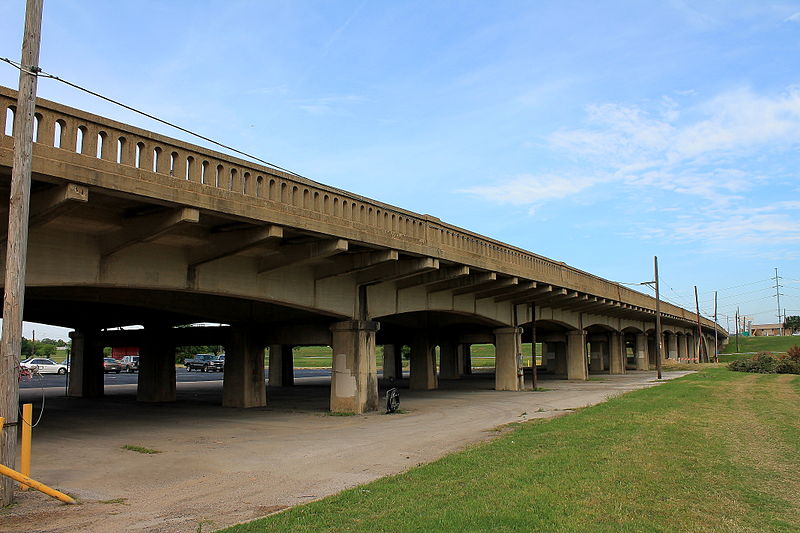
(41, 487)
(25, 453)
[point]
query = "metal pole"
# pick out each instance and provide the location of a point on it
(737, 330)
(699, 328)
(778, 297)
(533, 345)
(716, 333)
(659, 337)
(17, 244)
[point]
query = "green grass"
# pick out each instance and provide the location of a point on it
(139, 449)
(762, 344)
(716, 451)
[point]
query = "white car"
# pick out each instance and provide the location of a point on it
(44, 366)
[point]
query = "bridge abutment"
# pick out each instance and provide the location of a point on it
(354, 375)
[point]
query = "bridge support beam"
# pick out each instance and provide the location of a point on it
(598, 352)
(577, 367)
(672, 346)
(616, 355)
(466, 359)
(281, 365)
(641, 352)
(354, 377)
(156, 382)
(508, 359)
(86, 366)
(423, 364)
(448, 360)
(243, 384)
(681, 342)
(392, 361)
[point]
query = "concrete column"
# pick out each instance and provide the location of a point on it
(508, 359)
(576, 356)
(597, 355)
(616, 354)
(466, 352)
(243, 384)
(391, 357)
(561, 358)
(275, 366)
(354, 378)
(448, 360)
(460, 348)
(680, 342)
(156, 382)
(641, 352)
(86, 366)
(287, 365)
(549, 356)
(423, 364)
(672, 347)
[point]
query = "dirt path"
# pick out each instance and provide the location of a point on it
(221, 466)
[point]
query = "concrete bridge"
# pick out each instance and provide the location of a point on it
(130, 227)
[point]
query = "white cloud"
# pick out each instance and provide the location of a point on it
(717, 153)
(795, 17)
(531, 189)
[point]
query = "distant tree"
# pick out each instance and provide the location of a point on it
(45, 350)
(49, 341)
(26, 349)
(792, 323)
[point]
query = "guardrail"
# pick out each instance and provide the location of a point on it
(99, 138)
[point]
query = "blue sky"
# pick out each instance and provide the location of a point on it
(599, 134)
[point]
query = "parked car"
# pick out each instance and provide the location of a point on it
(44, 366)
(204, 362)
(218, 364)
(111, 365)
(130, 363)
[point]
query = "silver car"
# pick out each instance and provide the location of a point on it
(44, 366)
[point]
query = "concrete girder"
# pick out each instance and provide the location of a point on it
(351, 264)
(147, 228)
(397, 270)
(500, 287)
(224, 244)
(497, 283)
(478, 278)
(556, 296)
(429, 278)
(48, 205)
(527, 295)
(511, 288)
(302, 254)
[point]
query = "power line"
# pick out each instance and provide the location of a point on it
(42, 73)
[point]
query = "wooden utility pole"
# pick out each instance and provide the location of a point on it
(659, 336)
(716, 335)
(17, 244)
(699, 329)
(737, 330)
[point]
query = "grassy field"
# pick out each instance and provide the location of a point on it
(482, 356)
(762, 344)
(716, 451)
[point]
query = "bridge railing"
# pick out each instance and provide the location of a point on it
(96, 137)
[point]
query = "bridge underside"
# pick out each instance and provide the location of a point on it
(131, 228)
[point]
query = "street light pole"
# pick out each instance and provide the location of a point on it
(659, 337)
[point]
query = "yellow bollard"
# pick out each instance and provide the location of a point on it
(41, 487)
(25, 453)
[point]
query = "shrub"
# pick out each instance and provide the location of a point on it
(767, 363)
(793, 353)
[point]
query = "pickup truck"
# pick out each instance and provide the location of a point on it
(205, 362)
